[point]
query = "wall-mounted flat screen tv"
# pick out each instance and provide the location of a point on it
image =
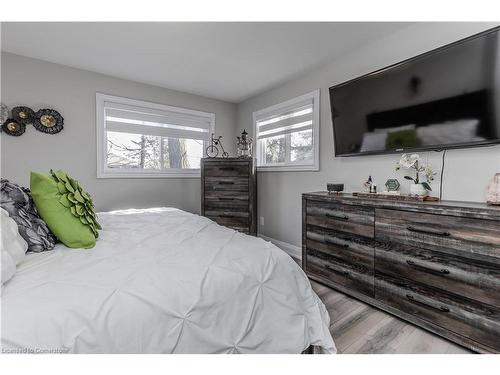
(446, 98)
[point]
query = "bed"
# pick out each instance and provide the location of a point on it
(163, 281)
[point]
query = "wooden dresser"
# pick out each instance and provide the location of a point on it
(229, 192)
(436, 265)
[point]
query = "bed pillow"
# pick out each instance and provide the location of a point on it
(12, 246)
(401, 139)
(17, 201)
(394, 129)
(66, 208)
(373, 142)
(377, 140)
(458, 131)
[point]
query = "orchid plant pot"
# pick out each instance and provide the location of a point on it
(413, 162)
(418, 189)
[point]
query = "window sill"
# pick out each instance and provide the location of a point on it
(135, 175)
(288, 168)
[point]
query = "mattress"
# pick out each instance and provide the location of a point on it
(163, 281)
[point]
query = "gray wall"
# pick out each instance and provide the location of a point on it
(467, 171)
(40, 84)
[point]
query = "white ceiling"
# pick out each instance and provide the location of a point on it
(227, 61)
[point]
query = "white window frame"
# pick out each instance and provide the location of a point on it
(102, 143)
(290, 166)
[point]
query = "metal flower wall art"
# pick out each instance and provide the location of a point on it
(48, 121)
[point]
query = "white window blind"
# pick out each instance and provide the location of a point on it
(286, 121)
(143, 139)
(287, 134)
(140, 120)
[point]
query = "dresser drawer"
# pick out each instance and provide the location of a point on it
(226, 184)
(228, 213)
(235, 220)
(226, 196)
(226, 204)
(466, 277)
(458, 236)
(357, 220)
(469, 318)
(344, 246)
(338, 271)
(226, 169)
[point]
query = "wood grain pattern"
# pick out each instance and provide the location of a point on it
(397, 197)
(353, 276)
(451, 208)
(358, 328)
(434, 264)
(463, 276)
(226, 183)
(229, 193)
(226, 167)
(350, 219)
(339, 243)
(477, 321)
(413, 319)
(356, 250)
(454, 235)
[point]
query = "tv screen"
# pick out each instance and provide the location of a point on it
(446, 98)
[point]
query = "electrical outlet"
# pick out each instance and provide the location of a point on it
(261, 221)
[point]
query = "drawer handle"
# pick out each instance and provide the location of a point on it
(412, 299)
(226, 216)
(226, 199)
(336, 243)
(345, 273)
(442, 271)
(336, 216)
(428, 231)
(226, 182)
(226, 168)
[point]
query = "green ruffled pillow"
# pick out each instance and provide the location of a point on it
(67, 209)
(401, 139)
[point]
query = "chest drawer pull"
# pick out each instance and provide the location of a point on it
(226, 182)
(442, 271)
(345, 273)
(428, 231)
(226, 168)
(226, 199)
(335, 242)
(336, 216)
(412, 299)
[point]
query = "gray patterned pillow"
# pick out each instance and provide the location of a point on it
(17, 201)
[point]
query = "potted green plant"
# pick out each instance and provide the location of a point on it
(413, 162)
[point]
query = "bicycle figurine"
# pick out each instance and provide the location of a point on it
(212, 150)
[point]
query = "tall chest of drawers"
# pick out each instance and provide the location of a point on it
(229, 192)
(436, 265)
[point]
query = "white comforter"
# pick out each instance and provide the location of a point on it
(163, 281)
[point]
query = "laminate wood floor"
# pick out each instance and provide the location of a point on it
(359, 328)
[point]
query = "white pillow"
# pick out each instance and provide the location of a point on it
(373, 142)
(458, 131)
(12, 246)
(396, 129)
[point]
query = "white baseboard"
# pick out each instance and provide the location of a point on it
(292, 250)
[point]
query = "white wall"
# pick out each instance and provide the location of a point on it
(467, 171)
(38, 84)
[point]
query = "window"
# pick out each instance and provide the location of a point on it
(143, 139)
(287, 135)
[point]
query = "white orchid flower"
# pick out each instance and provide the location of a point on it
(408, 161)
(413, 162)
